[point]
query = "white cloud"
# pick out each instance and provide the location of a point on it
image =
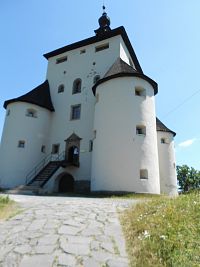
(187, 143)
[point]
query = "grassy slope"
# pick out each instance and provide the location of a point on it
(7, 208)
(164, 232)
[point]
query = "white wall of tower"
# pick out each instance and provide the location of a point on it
(16, 162)
(167, 166)
(119, 153)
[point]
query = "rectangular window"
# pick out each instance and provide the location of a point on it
(140, 130)
(61, 60)
(163, 141)
(90, 146)
(82, 51)
(21, 144)
(101, 47)
(75, 112)
(139, 91)
(31, 113)
(55, 148)
(143, 174)
(43, 149)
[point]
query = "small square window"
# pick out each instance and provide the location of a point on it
(21, 144)
(61, 60)
(139, 91)
(101, 47)
(43, 149)
(143, 174)
(75, 112)
(163, 141)
(31, 113)
(82, 51)
(140, 130)
(55, 148)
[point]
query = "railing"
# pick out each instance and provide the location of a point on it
(36, 170)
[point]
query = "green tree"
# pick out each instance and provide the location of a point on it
(188, 178)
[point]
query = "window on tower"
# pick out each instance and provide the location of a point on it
(31, 113)
(61, 88)
(76, 86)
(144, 174)
(75, 112)
(140, 130)
(139, 91)
(21, 144)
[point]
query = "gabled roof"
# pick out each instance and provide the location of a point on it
(122, 69)
(39, 96)
(118, 31)
(162, 128)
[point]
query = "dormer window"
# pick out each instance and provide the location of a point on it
(61, 60)
(76, 86)
(101, 47)
(31, 113)
(61, 88)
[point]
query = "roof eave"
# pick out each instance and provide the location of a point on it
(117, 31)
(14, 100)
(118, 75)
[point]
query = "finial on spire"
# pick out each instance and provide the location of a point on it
(104, 23)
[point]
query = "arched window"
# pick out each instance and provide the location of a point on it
(61, 88)
(96, 78)
(76, 86)
(31, 113)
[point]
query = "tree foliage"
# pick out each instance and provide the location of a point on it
(188, 178)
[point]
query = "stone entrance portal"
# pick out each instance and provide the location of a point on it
(66, 183)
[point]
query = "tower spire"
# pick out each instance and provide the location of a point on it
(104, 23)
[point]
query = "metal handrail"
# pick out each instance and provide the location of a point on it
(51, 157)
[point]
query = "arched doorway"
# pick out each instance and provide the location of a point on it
(66, 183)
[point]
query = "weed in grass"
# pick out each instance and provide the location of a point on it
(164, 232)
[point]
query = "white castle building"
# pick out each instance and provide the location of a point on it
(91, 125)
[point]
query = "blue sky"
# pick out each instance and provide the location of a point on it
(165, 36)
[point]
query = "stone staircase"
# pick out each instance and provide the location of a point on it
(44, 175)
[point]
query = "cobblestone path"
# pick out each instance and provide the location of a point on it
(63, 231)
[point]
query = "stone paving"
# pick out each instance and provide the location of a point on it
(63, 231)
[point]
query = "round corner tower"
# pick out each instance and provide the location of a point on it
(125, 155)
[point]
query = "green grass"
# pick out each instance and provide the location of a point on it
(8, 208)
(164, 232)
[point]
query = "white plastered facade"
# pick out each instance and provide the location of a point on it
(119, 154)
